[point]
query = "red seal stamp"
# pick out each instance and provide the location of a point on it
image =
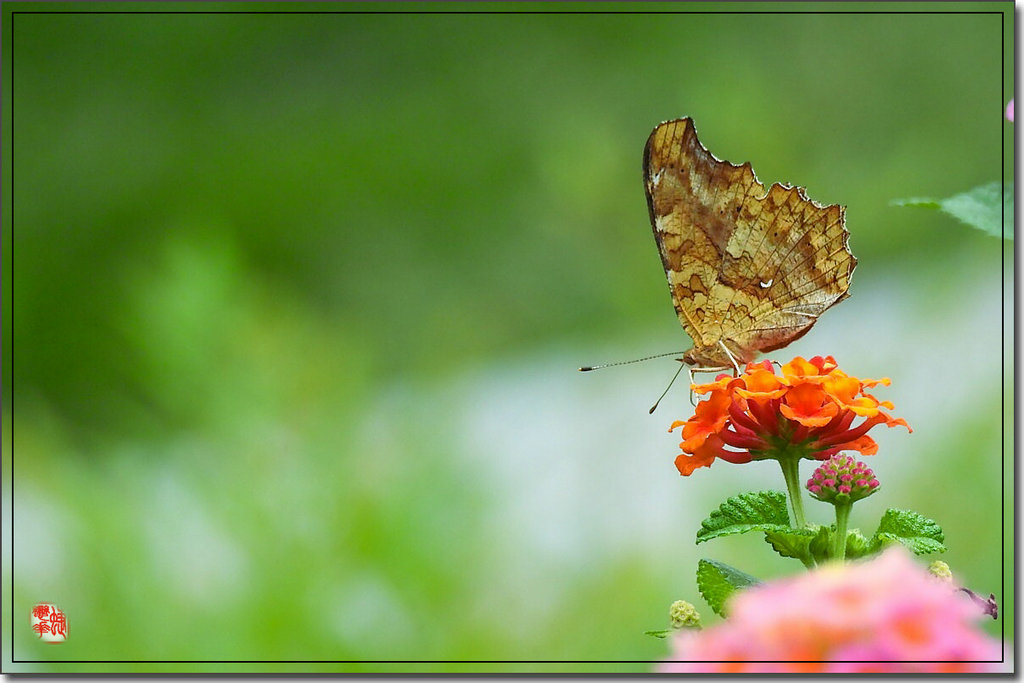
(49, 623)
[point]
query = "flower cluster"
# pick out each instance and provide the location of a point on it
(886, 615)
(806, 412)
(842, 479)
(683, 615)
(941, 571)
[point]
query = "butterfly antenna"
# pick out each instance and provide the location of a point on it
(655, 406)
(588, 368)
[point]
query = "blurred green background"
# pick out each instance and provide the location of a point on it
(294, 304)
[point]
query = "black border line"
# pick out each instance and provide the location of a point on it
(510, 12)
(1002, 334)
(11, 340)
(1002, 20)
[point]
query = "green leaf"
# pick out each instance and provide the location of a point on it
(717, 581)
(793, 543)
(658, 634)
(918, 533)
(856, 545)
(823, 544)
(815, 544)
(987, 207)
(761, 511)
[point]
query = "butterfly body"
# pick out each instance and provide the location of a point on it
(749, 269)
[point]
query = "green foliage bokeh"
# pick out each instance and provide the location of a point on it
(279, 283)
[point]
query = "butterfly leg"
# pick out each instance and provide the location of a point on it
(731, 357)
(693, 395)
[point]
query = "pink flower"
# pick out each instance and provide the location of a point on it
(1009, 111)
(841, 480)
(886, 615)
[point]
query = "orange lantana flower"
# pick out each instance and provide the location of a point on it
(807, 411)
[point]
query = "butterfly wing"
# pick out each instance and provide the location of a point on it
(696, 204)
(745, 266)
(803, 266)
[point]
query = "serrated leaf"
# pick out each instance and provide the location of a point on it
(760, 511)
(987, 207)
(918, 533)
(658, 634)
(716, 581)
(793, 543)
(918, 546)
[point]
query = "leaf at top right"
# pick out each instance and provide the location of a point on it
(987, 207)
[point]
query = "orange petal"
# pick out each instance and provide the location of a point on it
(843, 389)
(825, 365)
(865, 407)
(865, 444)
(891, 421)
(703, 457)
(798, 368)
(709, 416)
(809, 405)
(721, 382)
(715, 408)
(686, 464)
(764, 365)
(761, 383)
(819, 419)
(761, 395)
(695, 440)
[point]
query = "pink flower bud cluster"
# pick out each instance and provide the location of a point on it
(841, 479)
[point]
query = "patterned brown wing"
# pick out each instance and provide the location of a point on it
(749, 268)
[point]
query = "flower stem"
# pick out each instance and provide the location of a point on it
(791, 473)
(842, 521)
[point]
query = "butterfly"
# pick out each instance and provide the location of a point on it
(749, 269)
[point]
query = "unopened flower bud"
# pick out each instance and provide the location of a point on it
(841, 479)
(940, 570)
(683, 615)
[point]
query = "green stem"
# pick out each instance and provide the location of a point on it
(791, 473)
(842, 521)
